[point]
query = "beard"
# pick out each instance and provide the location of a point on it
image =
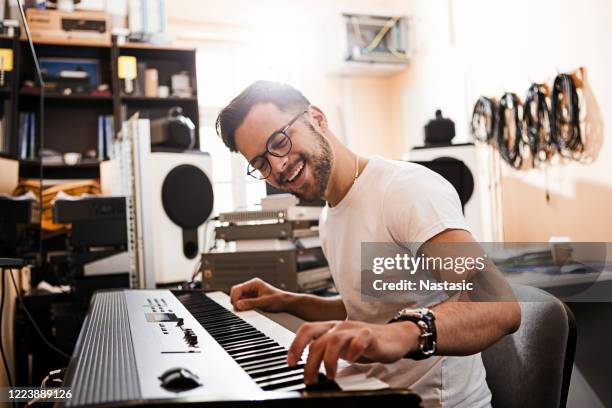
(321, 163)
(320, 159)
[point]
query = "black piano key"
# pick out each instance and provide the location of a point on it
(294, 387)
(245, 342)
(274, 369)
(239, 337)
(220, 325)
(226, 335)
(244, 346)
(249, 343)
(258, 347)
(281, 379)
(235, 335)
(268, 368)
(229, 327)
(273, 385)
(224, 343)
(260, 352)
(278, 373)
(263, 356)
(217, 321)
(269, 362)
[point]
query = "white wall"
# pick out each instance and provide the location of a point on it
(469, 48)
(295, 36)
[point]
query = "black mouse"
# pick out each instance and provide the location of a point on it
(179, 379)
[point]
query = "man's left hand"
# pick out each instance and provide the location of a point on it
(351, 341)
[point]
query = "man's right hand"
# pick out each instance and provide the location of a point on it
(256, 293)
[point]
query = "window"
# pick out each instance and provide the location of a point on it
(223, 72)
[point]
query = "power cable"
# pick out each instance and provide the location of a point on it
(25, 309)
(4, 359)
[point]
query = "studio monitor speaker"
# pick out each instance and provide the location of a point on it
(181, 185)
(465, 167)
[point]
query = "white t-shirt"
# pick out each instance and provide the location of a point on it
(400, 202)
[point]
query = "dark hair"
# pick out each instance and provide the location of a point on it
(285, 97)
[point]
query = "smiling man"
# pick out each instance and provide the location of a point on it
(435, 352)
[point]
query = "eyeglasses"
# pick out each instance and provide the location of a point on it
(278, 145)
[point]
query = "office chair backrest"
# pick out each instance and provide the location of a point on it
(532, 367)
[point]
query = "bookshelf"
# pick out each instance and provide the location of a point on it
(72, 121)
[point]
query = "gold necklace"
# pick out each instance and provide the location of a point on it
(356, 168)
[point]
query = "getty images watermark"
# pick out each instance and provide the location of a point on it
(433, 272)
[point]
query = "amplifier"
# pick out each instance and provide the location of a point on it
(59, 25)
(286, 269)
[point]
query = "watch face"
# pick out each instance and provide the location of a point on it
(415, 313)
(412, 313)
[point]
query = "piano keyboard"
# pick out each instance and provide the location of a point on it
(155, 347)
(262, 358)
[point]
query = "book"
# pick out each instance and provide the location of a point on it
(23, 135)
(32, 136)
(108, 136)
(100, 137)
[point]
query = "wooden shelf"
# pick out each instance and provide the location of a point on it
(72, 122)
(86, 170)
(86, 164)
(5, 36)
(67, 97)
(72, 42)
(157, 100)
(6, 155)
(144, 46)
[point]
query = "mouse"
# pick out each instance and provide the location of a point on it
(179, 379)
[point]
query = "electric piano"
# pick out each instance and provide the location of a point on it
(160, 347)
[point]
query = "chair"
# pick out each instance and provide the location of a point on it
(533, 366)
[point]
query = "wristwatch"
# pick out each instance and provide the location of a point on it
(426, 322)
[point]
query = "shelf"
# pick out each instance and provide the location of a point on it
(30, 168)
(145, 46)
(72, 121)
(67, 97)
(72, 42)
(81, 165)
(156, 100)
(6, 155)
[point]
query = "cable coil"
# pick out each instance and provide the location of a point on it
(484, 119)
(547, 123)
(510, 135)
(565, 118)
(536, 116)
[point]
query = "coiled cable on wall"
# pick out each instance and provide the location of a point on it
(510, 133)
(484, 119)
(536, 117)
(565, 117)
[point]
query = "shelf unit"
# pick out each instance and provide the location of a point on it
(71, 121)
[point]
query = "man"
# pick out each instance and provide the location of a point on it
(287, 142)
